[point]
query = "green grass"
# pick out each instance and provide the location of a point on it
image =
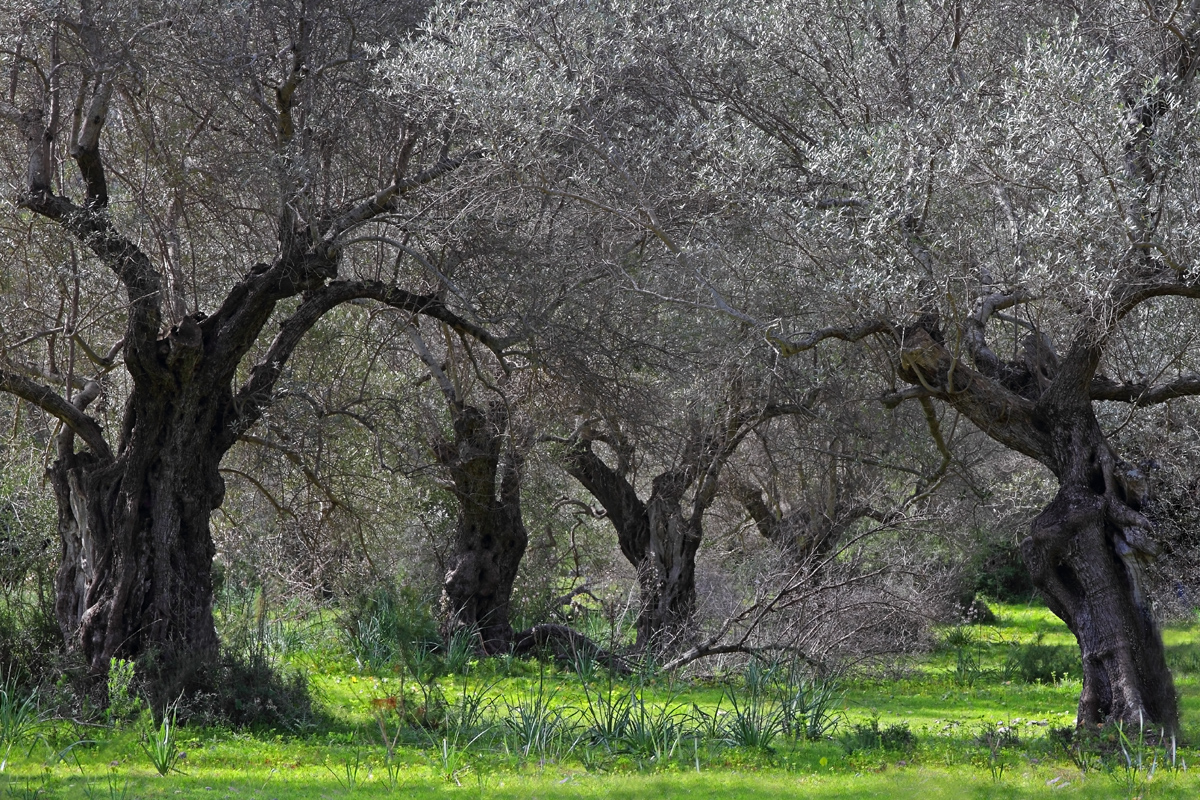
(979, 732)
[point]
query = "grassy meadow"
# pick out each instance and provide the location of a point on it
(986, 714)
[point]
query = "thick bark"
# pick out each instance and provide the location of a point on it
(490, 535)
(1085, 555)
(1086, 549)
(135, 578)
(667, 572)
(655, 537)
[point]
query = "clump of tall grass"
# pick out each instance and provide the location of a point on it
(655, 730)
(808, 703)
(20, 716)
(537, 727)
(755, 720)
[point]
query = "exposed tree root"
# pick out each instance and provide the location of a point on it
(567, 644)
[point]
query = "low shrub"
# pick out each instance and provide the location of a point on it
(251, 692)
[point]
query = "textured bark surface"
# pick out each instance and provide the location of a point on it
(135, 577)
(1085, 554)
(667, 572)
(136, 570)
(1087, 549)
(490, 536)
(657, 539)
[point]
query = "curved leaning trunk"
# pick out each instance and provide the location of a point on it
(1089, 572)
(135, 578)
(1086, 550)
(1085, 554)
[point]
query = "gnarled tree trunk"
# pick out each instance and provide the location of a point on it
(135, 580)
(661, 536)
(1086, 549)
(1085, 554)
(655, 537)
(136, 571)
(490, 536)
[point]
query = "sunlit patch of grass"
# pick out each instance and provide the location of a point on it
(697, 758)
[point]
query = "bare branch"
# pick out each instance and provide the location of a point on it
(298, 460)
(279, 509)
(435, 369)
(52, 403)
(434, 271)
(86, 148)
(788, 348)
(1142, 394)
(976, 328)
(45, 374)
(894, 399)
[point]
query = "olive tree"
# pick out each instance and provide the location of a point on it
(995, 194)
(999, 212)
(220, 169)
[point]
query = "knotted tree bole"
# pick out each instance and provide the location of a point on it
(1087, 548)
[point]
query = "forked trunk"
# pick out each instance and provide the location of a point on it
(667, 570)
(655, 537)
(490, 536)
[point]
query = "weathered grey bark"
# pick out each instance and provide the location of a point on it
(490, 536)
(136, 569)
(1087, 548)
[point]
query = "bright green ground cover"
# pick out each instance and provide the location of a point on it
(959, 702)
